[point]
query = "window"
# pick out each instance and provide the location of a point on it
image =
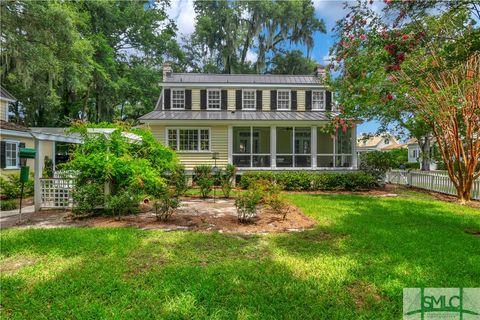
(387, 141)
(251, 147)
(248, 99)
(214, 99)
(189, 139)
(11, 155)
(334, 151)
(318, 100)
(178, 99)
(283, 100)
(293, 147)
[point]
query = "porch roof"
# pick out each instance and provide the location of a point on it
(236, 115)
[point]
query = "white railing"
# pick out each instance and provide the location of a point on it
(438, 181)
(56, 193)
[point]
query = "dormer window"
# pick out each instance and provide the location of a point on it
(178, 99)
(248, 99)
(318, 100)
(283, 100)
(387, 141)
(214, 100)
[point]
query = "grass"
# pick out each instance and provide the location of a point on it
(353, 265)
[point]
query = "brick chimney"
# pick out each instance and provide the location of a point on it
(320, 72)
(167, 70)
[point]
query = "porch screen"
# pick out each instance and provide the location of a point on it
(293, 147)
(334, 151)
(251, 147)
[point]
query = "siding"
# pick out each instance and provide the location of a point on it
(231, 100)
(48, 148)
(300, 100)
(195, 99)
(266, 100)
(190, 160)
(3, 110)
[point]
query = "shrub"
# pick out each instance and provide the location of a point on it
(48, 168)
(247, 204)
(10, 186)
(122, 203)
(279, 205)
(88, 198)
(204, 179)
(294, 180)
(377, 164)
(166, 205)
(178, 180)
(227, 177)
(9, 204)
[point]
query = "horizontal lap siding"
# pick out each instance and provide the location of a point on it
(300, 100)
(195, 99)
(3, 110)
(47, 150)
(190, 160)
(231, 100)
(266, 100)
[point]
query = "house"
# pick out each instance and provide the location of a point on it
(379, 142)
(415, 153)
(255, 122)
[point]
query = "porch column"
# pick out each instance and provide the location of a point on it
(230, 144)
(38, 168)
(313, 146)
(273, 146)
(354, 148)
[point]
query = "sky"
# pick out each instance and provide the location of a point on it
(182, 12)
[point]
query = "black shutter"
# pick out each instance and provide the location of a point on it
(273, 100)
(224, 100)
(328, 100)
(294, 99)
(166, 99)
(308, 100)
(238, 99)
(188, 99)
(203, 99)
(259, 100)
(3, 154)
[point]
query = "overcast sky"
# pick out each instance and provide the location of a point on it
(181, 11)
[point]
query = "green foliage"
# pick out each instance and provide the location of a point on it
(10, 186)
(127, 166)
(48, 168)
(88, 198)
(204, 179)
(399, 157)
(377, 163)
(247, 203)
(227, 177)
(178, 180)
(8, 204)
(293, 62)
(166, 204)
(303, 181)
(123, 203)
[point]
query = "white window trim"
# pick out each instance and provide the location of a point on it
(171, 98)
(198, 133)
(18, 157)
(220, 95)
(255, 99)
(289, 100)
(323, 108)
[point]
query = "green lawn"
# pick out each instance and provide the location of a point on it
(352, 266)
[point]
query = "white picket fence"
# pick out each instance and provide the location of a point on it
(438, 181)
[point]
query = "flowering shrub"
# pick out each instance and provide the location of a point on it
(247, 204)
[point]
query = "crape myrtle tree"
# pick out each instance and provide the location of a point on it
(398, 64)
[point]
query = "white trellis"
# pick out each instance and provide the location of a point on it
(56, 193)
(438, 181)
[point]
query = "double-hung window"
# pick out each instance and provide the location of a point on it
(11, 155)
(214, 99)
(189, 139)
(283, 100)
(318, 100)
(248, 99)
(178, 99)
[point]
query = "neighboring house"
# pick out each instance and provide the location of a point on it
(415, 153)
(379, 142)
(14, 136)
(252, 121)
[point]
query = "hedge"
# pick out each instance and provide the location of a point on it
(304, 180)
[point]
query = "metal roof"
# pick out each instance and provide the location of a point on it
(236, 115)
(243, 78)
(5, 94)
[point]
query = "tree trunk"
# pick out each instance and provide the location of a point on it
(425, 147)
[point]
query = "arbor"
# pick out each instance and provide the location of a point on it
(392, 63)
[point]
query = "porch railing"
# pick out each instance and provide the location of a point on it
(437, 181)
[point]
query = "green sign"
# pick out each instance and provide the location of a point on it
(28, 153)
(24, 172)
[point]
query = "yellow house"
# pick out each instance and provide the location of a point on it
(256, 122)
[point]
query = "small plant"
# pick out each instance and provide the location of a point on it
(247, 204)
(48, 168)
(178, 180)
(166, 205)
(87, 198)
(205, 179)
(10, 186)
(279, 205)
(10, 204)
(122, 203)
(227, 177)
